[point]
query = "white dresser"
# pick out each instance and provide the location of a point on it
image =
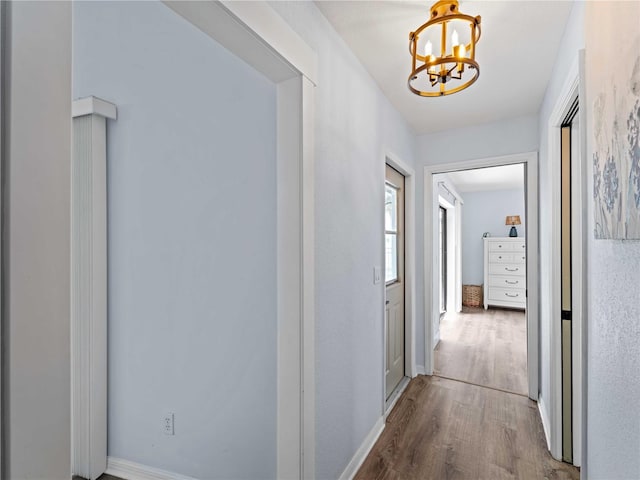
(505, 272)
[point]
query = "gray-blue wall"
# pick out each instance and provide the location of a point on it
(192, 241)
(355, 125)
(486, 212)
(613, 413)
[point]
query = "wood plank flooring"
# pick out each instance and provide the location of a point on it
(444, 429)
(484, 347)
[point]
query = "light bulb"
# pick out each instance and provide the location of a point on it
(454, 39)
(428, 49)
(459, 51)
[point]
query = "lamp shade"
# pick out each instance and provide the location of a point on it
(512, 220)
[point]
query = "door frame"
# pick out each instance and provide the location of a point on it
(431, 308)
(3, 92)
(409, 276)
(443, 264)
(257, 34)
(454, 277)
(573, 87)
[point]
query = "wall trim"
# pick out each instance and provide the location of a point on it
(89, 286)
(436, 339)
(4, 68)
(93, 106)
(544, 417)
(404, 383)
(128, 470)
(420, 370)
(361, 454)
(254, 32)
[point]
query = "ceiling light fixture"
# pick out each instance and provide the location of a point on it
(438, 75)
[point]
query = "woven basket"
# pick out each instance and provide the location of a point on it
(472, 295)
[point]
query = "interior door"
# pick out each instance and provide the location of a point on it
(394, 279)
(442, 220)
(569, 144)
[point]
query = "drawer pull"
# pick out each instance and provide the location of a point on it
(511, 269)
(499, 256)
(512, 296)
(511, 283)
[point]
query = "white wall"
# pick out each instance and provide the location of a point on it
(192, 241)
(572, 42)
(36, 236)
(613, 362)
(355, 125)
(507, 137)
(486, 212)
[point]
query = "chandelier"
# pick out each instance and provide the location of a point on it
(448, 41)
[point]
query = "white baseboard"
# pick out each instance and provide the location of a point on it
(359, 457)
(436, 338)
(391, 402)
(544, 416)
(420, 370)
(128, 470)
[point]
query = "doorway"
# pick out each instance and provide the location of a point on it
(432, 307)
(483, 346)
(570, 153)
(567, 288)
(442, 226)
(394, 279)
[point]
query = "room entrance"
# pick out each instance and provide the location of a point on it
(477, 209)
(434, 176)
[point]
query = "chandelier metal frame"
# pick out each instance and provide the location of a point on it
(450, 64)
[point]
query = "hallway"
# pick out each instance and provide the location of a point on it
(443, 429)
(472, 419)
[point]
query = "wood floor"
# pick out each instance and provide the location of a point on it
(484, 347)
(445, 429)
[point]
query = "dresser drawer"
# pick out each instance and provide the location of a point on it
(507, 269)
(507, 294)
(519, 257)
(507, 257)
(506, 281)
(520, 247)
(501, 246)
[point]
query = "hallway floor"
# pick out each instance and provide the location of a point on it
(445, 429)
(472, 419)
(484, 347)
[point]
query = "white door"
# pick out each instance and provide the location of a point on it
(394, 278)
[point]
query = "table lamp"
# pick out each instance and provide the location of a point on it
(513, 220)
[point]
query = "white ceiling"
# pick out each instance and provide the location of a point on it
(516, 53)
(491, 178)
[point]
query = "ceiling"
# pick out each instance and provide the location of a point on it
(516, 53)
(492, 178)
